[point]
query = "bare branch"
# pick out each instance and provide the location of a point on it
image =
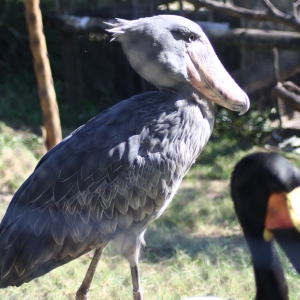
(236, 37)
(290, 97)
(272, 9)
(288, 40)
(272, 14)
(292, 87)
(295, 11)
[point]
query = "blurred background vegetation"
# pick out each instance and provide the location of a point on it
(104, 76)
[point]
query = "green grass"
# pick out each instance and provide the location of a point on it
(19, 153)
(219, 157)
(202, 254)
(196, 248)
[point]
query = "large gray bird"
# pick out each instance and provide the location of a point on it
(117, 173)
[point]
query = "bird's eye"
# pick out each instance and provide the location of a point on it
(191, 37)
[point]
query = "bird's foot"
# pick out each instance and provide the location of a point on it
(137, 295)
(82, 295)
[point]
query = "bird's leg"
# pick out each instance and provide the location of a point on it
(83, 291)
(137, 293)
(129, 247)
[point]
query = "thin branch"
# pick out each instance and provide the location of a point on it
(272, 14)
(288, 40)
(276, 64)
(292, 98)
(272, 9)
(277, 77)
(292, 87)
(295, 10)
(237, 37)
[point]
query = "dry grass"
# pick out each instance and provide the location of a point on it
(19, 153)
(195, 248)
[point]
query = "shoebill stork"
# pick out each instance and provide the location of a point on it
(117, 173)
(265, 188)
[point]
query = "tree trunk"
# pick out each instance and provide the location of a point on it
(43, 73)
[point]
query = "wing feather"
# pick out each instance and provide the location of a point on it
(41, 224)
(71, 166)
(97, 212)
(49, 248)
(16, 230)
(33, 218)
(10, 254)
(121, 204)
(47, 175)
(124, 221)
(85, 214)
(70, 218)
(134, 201)
(100, 181)
(62, 188)
(109, 211)
(59, 229)
(83, 185)
(149, 206)
(90, 164)
(99, 176)
(25, 254)
(38, 249)
(83, 229)
(40, 203)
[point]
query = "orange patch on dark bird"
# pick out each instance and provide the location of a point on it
(277, 212)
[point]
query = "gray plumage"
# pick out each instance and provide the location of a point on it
(117, 173)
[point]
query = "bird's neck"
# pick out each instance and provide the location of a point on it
(269, 276)
(175, 122)
(191, 94)
(289, 241)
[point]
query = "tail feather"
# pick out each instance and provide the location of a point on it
(25, 256)
(9, 255)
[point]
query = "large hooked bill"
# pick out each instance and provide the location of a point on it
(209, 77)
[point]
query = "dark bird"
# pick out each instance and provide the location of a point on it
(265, 188)
(117, 173)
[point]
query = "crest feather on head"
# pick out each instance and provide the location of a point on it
(119, 27)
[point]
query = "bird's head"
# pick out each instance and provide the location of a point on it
(173, 52)
(265, 189)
